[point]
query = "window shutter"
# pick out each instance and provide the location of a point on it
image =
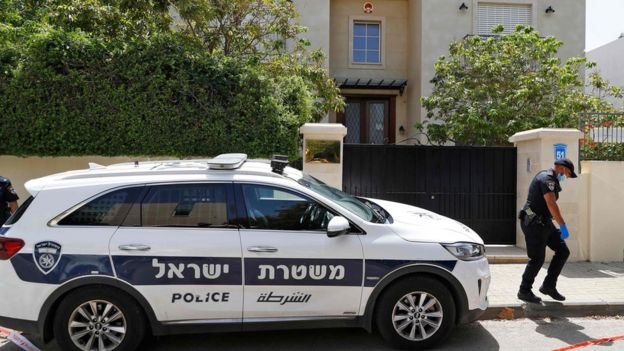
(509, 15)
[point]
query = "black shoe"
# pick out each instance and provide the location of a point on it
(528, 296)
(552, 292)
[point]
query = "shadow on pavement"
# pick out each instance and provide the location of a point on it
(6, 345)
(564, 330)
(594, 270)
(471, 337)
(465, 338)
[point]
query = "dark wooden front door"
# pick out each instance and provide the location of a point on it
(369, 120)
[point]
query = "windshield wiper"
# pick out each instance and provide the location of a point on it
(376, 212)
(380, 217)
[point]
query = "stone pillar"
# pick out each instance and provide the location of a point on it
(322, 151)
(537, 150)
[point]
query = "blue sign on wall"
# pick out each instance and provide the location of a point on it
(560, 151)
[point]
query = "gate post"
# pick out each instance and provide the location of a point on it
(323, 151)
(537, 150)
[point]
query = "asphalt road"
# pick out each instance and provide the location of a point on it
(524, 334)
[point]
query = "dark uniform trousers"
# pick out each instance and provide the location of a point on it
(538, 235)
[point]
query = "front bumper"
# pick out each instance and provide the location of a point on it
(471, 315)
(475, 278)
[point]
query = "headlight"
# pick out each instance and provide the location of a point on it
(466, 251)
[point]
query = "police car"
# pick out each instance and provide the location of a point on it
(98, 258)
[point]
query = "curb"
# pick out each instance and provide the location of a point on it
(548, 309)
(507, 260)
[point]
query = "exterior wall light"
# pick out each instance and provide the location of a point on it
(463, 7)
(550, 10)
(401, 130)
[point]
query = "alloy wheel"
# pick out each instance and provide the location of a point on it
(417, 316)
(97, 325)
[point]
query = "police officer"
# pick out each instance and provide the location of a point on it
(539, 231)
(8, 199)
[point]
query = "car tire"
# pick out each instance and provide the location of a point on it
(415, 313)
(99, 314)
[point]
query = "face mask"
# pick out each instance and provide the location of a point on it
(561, 177)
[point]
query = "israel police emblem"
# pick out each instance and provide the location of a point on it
(47, 255)
(551, 186)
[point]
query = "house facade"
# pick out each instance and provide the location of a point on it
(382, 53)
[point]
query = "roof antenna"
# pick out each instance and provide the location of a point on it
(278, 163)
(136, 163)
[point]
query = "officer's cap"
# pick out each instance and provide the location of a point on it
(567, 164)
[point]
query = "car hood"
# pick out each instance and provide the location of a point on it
(416, 224)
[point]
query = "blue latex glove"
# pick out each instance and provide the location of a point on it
(564, 231)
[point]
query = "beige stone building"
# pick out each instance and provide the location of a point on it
(382, 52)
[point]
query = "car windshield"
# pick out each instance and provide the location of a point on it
(351, 203)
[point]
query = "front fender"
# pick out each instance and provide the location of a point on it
(446, 277)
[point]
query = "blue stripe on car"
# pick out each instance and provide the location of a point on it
(303, 271)
(377, 269)
(68, 267)
(173, 270)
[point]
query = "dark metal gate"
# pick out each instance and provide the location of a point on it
(474, 185)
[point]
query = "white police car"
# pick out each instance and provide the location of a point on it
(97, 258)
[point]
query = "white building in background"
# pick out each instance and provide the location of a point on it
(610, 60)
(382, 52)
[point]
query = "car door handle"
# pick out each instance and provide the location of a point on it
(134, 247)
(262, 249)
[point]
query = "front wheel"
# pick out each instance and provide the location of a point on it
(415, 313)
(98, 319)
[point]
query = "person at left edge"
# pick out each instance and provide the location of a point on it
(8, 199)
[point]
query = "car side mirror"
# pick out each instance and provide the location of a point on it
(337, 226)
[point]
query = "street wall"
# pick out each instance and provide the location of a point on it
(605, 211)
(536, 153)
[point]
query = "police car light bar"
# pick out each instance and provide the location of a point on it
(278, 163)
(227, 161)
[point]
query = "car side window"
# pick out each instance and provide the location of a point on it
(185, 205)
(278, 209)
(109, 209)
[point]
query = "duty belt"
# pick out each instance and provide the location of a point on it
(532, 216)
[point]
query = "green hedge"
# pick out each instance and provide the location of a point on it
(602, 151)
(70, 94)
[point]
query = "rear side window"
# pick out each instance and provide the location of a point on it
(109, 209)
(186, 205)
(20, 212)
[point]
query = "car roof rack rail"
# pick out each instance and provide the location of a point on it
(227, 161)
(179, 164)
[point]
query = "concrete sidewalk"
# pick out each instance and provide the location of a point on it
(591, 289)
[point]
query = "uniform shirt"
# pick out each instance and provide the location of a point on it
(544, 182)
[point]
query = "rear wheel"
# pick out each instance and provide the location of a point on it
(98, 319)
(416, 313)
